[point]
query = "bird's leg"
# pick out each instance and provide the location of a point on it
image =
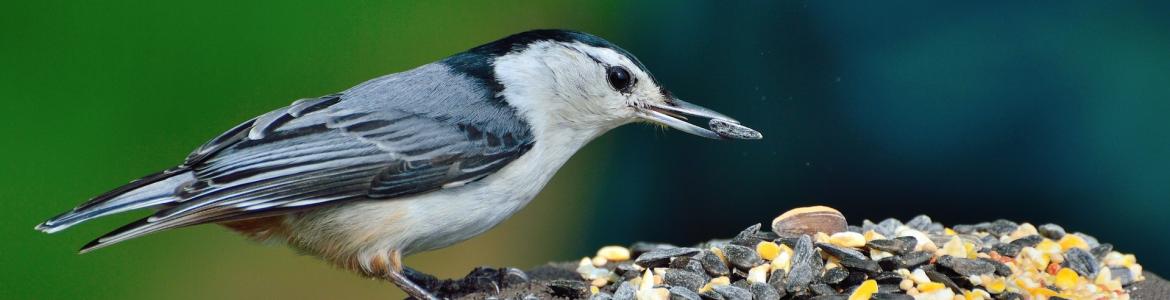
(396, 275)
(419, 277)
(410, 287)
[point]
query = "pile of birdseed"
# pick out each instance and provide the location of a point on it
(918, 259)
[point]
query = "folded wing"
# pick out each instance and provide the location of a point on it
(388, 138)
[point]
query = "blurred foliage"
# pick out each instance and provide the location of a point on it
(965, 112)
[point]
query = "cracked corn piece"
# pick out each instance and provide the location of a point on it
(1066, 279)
(847, 239)
(866, 290)
(768, 250)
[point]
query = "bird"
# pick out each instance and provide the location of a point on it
(407, 162)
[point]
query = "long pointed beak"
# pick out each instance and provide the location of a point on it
(674, 113)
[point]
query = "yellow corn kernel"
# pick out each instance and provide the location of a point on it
(614, 253)
(1066, 279)
(873, 235)
(996, 285)
(930, 287)
(864, 291)
(593, 290)
(768, 250)
(1044, 292)
(968, 295)
(1048, 246)
(950, 231)
(1070, 241)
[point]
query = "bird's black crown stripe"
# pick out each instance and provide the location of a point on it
(477, 62)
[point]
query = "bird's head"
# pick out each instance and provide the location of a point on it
(570, 79)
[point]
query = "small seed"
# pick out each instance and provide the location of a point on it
(614, 253)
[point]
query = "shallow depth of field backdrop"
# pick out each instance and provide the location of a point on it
(1054, 112)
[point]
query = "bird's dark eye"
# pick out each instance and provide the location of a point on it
(620, 79)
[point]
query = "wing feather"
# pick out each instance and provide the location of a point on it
(388, 138)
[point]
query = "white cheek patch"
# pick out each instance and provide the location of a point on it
(564, 85)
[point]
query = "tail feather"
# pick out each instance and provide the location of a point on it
(105, 239)
(150, 191)
(146, 226)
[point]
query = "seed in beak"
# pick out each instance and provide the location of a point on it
(730, 129)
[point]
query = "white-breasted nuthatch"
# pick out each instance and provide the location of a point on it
(406, 162)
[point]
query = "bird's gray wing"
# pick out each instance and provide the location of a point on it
(395, 136)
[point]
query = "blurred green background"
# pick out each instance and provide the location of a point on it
(1042, 112)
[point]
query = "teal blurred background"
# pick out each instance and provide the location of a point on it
(1042, 112)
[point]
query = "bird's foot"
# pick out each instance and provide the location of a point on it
(494, 280)
(410, 287)
(424, 280)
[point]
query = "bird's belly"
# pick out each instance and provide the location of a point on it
(364, 229)
(408, 225)
(459, 217)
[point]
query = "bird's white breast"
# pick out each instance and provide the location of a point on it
(435, 219)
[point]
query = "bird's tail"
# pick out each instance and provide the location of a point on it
(149, 191)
